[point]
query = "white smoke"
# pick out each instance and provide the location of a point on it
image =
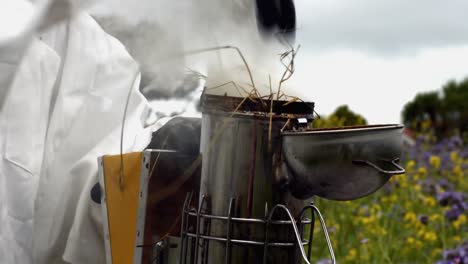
(158, 33)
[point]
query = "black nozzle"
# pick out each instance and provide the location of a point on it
(277, 17)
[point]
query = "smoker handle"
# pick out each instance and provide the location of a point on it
(399, 169)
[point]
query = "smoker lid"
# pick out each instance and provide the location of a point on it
(210, 103)
(342, 130)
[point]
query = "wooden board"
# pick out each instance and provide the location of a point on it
(121, 202)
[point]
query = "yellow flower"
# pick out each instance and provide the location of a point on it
(436, 252)
(459, 222)
(403, 184)
(414, 243)
(410, 217)
(393, 198)
(434, 161)
(417, 187)
(399, 178)
(426, 124)
(420, 233)
(454, 156)
(379, 231)
(410, 165)
(375, 209)
(352, 254)
(457, 170)
(429, 201)
(368, 220)
(434, 218)
(407, 205)
(462, 218)
(418, 244)
(456, 239)
(383, 232)
(422, 171)
(430, 236)
(384, 199)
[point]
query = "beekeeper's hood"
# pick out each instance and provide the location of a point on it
(20, 21)
(68, 84)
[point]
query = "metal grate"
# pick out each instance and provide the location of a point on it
(194, 241)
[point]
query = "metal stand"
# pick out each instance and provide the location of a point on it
(314, 209)
(193, 241)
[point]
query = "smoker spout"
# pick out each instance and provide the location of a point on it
(341, 163)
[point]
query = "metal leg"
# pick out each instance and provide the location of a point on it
(193, 249)
(228, 233)
(183, 228)
(296, 232)
(325, 231)
(205, 231)
(312, 226)
(311, 235)
(197, 238)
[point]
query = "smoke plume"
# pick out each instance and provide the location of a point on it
(159, 33)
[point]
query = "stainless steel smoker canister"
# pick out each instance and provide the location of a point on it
(242, 161)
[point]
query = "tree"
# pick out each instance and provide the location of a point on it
(445, 113)
(424, 107)
(456, 106)
(342, 116)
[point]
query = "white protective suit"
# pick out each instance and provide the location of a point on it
(64, 109)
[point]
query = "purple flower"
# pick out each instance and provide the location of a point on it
(457, 141)
(438, 148)
(462, 253)
(463, 206)
(449, 254)
(364, 241)
(464, 166)
(426, 156)
(453, 256)
(464, 260)
(449, 198)
(424, 219)
(446, 162)
(463, 249)
(451, 146)
(453, 213)
(464, 153)
(445, 184)
(420, 139)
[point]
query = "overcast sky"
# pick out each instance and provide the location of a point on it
(375, 55)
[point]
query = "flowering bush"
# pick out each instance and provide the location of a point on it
(417, 217)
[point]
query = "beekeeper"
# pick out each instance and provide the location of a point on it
(63, 89)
